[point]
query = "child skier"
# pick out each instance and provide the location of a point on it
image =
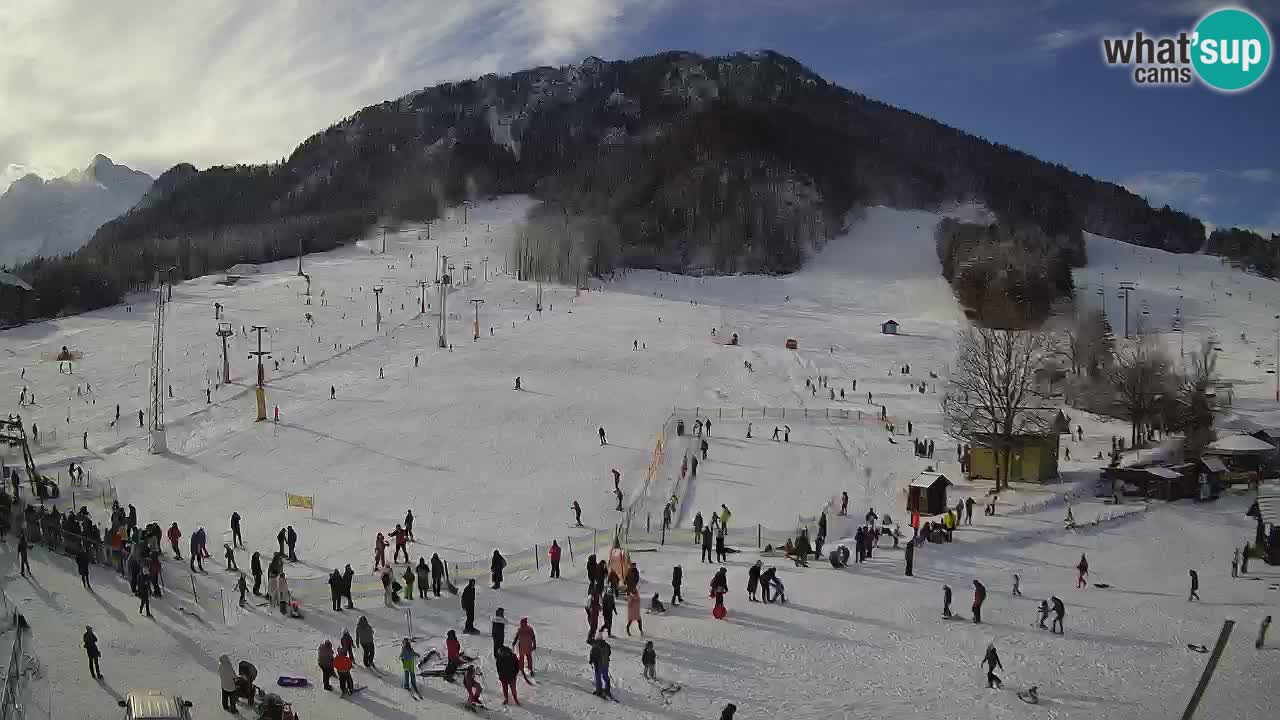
(649, 659)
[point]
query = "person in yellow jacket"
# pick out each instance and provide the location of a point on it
(724, 516)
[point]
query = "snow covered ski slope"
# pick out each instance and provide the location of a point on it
(376, 420)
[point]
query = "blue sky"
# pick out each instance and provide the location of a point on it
(1029, 75)
(247, 80)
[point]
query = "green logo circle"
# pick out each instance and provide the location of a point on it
(1231, 49)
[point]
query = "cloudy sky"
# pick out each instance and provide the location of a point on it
(152, 83)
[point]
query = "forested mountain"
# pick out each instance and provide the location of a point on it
(742, 163)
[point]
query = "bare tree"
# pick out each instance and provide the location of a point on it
(992, 398)
(1141, 378)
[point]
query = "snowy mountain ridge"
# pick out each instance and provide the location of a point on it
(58, 216)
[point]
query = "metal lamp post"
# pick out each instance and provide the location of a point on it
(224, 332)
(476, 334)
(377, 307)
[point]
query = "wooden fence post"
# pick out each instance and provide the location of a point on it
(569, 542)
(537, 562)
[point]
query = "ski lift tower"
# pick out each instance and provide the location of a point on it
(443, 289)
(156, 441)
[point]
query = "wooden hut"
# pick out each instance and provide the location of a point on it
(889, 327)
(927, 494)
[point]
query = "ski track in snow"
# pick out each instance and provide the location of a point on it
(483, 466)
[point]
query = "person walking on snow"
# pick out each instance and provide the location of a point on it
(706, 545)
(677, 576)
(437, 573)
(979, 597)
(649, 660)
(1195, 586)
(347, 576)
(704, 447)
(507, 667)
(608, 608)
(1017, 585)
(593, 615)
(496, 565)
(1235, 563)
(335, 590)
(227, 683)
(633, 612)
(409, 579)
(408, 656)
(237, 540)
(525, 642)
(379, 551)
(553, 555)
(469, 607)
(599, 661)
(342, 665)
(174, 536)
(408, 526)
(577, 513)
(230, 556)
(197, 558)
(91, 651)
(1262, 634)
(602, 437)
(291, 539)
(401, 538)
(946, 600)
(424, 577)
(992, 660)
(724, 517)
(1059, 612)
(280, 538)
(1043, 614)
(1082, 568)
(753, 580)
(324, 658)
(255, 568)
(968, 511)
(242, 587)
(364, 638)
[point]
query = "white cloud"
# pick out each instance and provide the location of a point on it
(151, 82)
(1178, 188)
(1064, 38)
(1258, 175)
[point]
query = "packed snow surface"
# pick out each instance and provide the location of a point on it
(483, 466)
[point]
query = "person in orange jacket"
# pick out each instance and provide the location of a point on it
(554, 555)
(342, 665)
(525, 643)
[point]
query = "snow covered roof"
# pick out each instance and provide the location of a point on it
(1240, 445)
(1163, 472)
(1269, 507)
(927, 479)
(244, 269)
(1213, 464)
(889, 322)
(13, 280)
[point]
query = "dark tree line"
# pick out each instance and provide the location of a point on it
(742, 163)
(1005, 277)
(1251, 250)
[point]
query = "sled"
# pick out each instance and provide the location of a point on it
(1197, 648)
(286, 681)
(719, 612)
(1031, 696)
(1102, 585)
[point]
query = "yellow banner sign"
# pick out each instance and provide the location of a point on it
(306, 502)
